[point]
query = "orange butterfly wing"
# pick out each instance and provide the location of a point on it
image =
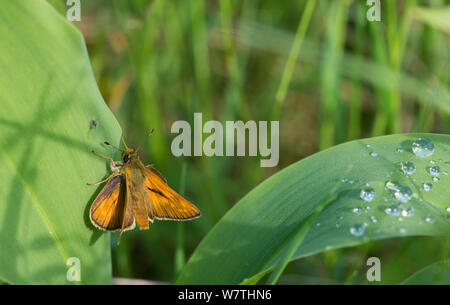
(165, 203)
(108, 209)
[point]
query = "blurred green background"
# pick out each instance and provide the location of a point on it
(319, 67)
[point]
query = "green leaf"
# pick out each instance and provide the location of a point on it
(252, 237)
(48, 98)
(437, 273)
(437, 17)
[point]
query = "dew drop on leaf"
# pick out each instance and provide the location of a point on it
(429, 219)
(427, 187)
(393, 210)
(408, 168)
(367, 194)
(434, 170)
(407, 212)
(357, 210)
(402, 193)
(357, 230)
(423, 147)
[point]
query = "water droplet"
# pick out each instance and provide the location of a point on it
(427, 187)
(435, 179)
(358, 230)
(408, 168)
(368, 145)
(423, 147)
(407, 212)
(429, 219)
(357, 210)
(373, 154)
(402, 193)
(367, 194)
(373, 219)
(399, 150)
(434, 170)
(448, 210)
(403, 230)
(393, 186)
(394, 209)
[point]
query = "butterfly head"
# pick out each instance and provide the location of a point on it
(129, 154)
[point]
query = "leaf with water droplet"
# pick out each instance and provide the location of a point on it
(262, 225)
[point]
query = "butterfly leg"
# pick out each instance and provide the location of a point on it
(100, 182)
(114, 164)
(103, 156)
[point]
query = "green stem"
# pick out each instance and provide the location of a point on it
(293, 56)
(180, 257)
(331, 107)
(233, 96)
(354, 125)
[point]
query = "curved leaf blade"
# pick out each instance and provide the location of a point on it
(253, 235)
(437, 273)
(48, 98)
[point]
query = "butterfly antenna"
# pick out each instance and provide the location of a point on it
(148, 135)
(124, 144)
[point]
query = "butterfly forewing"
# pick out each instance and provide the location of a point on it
(107, 210)
(165, 202)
